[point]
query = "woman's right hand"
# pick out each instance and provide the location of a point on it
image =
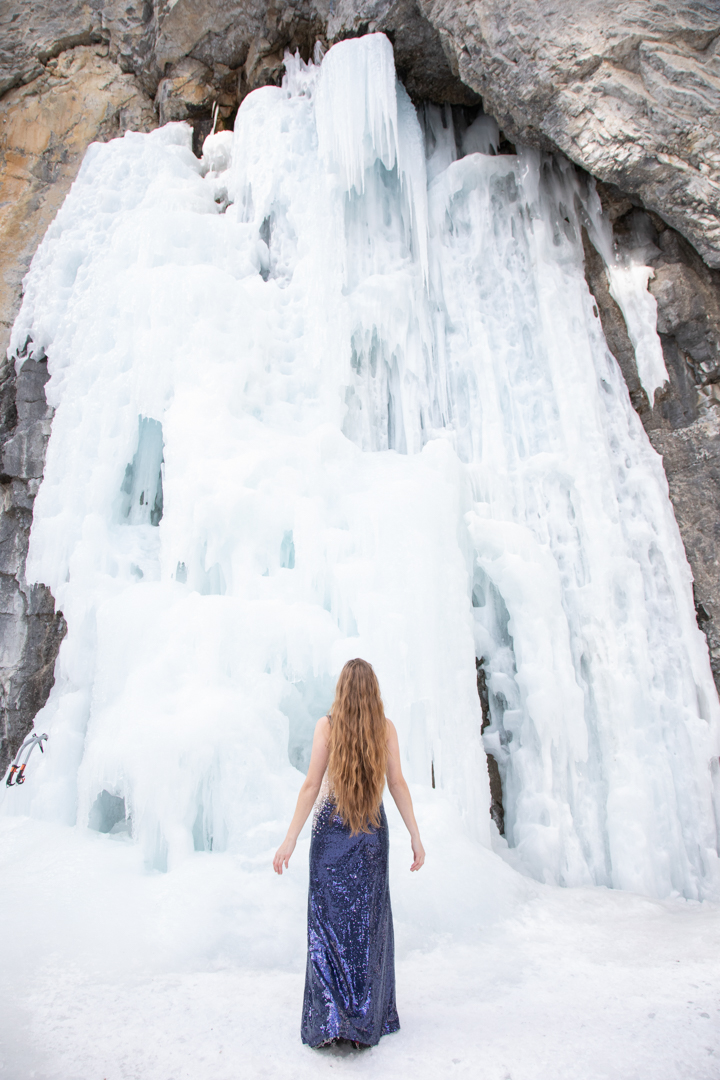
(282, 855)
(418, 853)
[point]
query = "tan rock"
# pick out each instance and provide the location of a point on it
(32, 31)
(631, 91)
(45, 128)
(185, 92)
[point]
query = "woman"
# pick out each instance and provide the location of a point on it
(350, 975)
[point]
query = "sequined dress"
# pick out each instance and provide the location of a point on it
(350, 975)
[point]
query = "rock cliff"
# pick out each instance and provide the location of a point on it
(46, 125)
(630, 94)
(629, 91)
(684, 423)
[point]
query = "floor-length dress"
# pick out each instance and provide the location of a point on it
(350, 974)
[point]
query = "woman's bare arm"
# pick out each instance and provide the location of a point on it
(308, 794)
(401, 794)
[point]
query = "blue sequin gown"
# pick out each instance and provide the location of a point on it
(350, 975)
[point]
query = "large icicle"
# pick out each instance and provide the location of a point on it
(628, 281)
(356, 109)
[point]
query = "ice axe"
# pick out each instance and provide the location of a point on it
(17, 770)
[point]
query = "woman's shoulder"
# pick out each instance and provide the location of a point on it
(321, 735)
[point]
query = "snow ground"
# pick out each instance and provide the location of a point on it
(114, 973)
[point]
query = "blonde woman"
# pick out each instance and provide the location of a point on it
(350, 975)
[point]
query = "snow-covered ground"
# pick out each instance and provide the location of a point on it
(113, 973)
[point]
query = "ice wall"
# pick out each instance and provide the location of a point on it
(309, 407)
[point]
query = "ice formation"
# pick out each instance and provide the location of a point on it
(339, 389)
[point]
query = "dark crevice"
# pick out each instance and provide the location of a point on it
(202, 126)
(497, 813)
(89, 37)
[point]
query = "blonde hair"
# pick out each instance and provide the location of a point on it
(358, 747)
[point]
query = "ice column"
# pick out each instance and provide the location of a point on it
(628, 280)
(606, 720)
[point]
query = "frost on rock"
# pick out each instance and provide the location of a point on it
(338, 390)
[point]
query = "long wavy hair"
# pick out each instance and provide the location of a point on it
(358, 747)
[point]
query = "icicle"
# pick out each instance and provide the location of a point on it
(411, 165)
(439, 138)
(628, 281)
(482, 136)
(364, 115)
(356, 108)
(300, 78)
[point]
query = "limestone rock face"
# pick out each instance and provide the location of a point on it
(33, 32)
(199, 94)
(684, 421)
(629, 91)
(30, 628)
(250, 39)
(691, 456)
(45, 128)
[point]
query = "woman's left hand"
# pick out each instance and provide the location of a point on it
(282, 855)
(418, 853)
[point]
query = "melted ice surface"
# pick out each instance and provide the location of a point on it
(381, 419)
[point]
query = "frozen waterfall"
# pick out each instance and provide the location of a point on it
(340, 389)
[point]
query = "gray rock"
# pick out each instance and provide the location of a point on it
(34, 31)
(30, 628)
(185, 93)
(684, 421)
(691, 456)
(629, 91)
